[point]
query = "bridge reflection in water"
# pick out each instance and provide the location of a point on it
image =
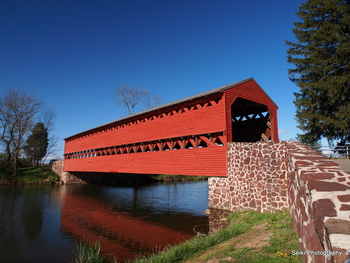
(124, 232)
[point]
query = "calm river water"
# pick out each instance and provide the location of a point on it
(43, 223)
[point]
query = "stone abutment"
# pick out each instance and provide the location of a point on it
(73, 177)
(289, 175)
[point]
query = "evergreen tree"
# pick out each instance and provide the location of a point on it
(37, 144)
(321, 58)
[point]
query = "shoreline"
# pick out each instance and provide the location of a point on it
(44, 176)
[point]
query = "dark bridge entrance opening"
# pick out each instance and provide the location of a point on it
(250, 121)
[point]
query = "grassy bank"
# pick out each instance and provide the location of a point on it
(250, 237)
(169, 177)
(221, 247)
(268, 238)
(30, 175)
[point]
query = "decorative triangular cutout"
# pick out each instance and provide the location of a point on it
(147, 148)
(139, 148)
(156, 148)
(177, 146)
(218, 141)
(189, 145)
(166, 147)
(132, 150)
(266, 114)
(202, 144)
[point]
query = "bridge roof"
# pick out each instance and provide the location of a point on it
(203, 94)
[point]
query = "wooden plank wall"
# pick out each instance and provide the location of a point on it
(201, 161)
(203, 116)
(207, 119)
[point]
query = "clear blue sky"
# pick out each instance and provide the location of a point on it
(73, 53)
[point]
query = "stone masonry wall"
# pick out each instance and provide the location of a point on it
(256, 179)
(319, 201)
(73, 178)
(274, 176)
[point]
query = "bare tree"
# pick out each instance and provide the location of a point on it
(129, 97)
(17, 113)
(48, 117)
(151, 101)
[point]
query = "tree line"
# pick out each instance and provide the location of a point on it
(26, 124)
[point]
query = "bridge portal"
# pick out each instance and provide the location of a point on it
(187, 136)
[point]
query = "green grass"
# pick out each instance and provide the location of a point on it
(283, 241)
(31, 175)
(170, 177)
(281, 244)
(90, 253)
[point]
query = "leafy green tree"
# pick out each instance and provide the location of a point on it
(37, 144)
(321, 58)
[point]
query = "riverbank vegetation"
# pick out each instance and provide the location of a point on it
(90, 252)
(30, 175)
(43, 174)
(170, 177)
(249, 237)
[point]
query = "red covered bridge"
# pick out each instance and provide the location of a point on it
(187, 137)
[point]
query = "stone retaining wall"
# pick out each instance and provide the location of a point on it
(73, 178)
(274, 176)
(319, 201)
(256, 179)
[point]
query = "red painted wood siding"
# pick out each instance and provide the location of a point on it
(205, 120)
(250, 90)
(210, 161)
